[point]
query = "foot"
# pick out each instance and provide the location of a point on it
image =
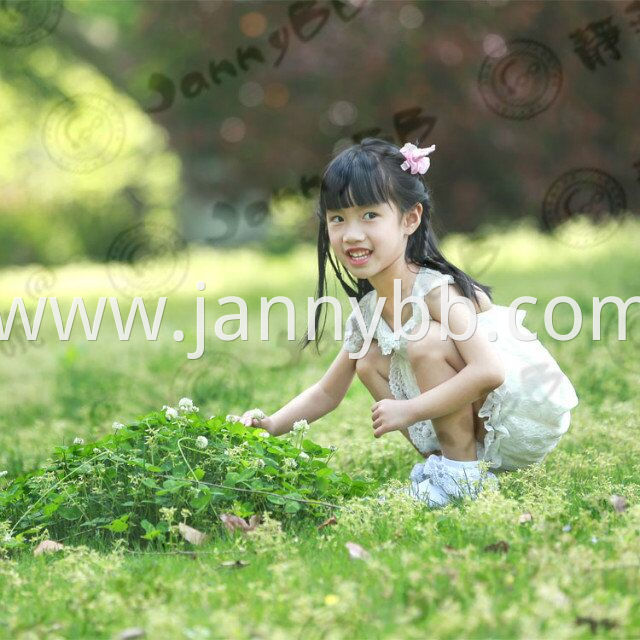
(438, 480)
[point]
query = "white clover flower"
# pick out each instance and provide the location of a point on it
(332, 447)
(303, 455)
(186, 406)
(237, 450)
(78, 441)
(3, 473)
(170, 412)
(300, 425)
(201, 442)
(256, 413)
(117, 426)
(263, 434)
(167, 513)
(259, 462)
(96, 450)
(290, 463)
(231, 418)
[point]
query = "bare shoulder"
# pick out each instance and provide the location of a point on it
(434, 298)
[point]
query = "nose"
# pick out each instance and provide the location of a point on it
(353, 233)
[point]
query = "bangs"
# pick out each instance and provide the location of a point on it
(354, 180)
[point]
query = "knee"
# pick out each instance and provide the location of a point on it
(430, 348)
(369, 364)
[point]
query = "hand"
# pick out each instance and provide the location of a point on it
(390, 415)
(265, 423)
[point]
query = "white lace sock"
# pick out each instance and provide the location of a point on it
(440, 479)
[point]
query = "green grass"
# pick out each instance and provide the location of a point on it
(571, 572)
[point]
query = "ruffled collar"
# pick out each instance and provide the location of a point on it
(384, 334)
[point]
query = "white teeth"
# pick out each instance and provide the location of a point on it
(360, 254)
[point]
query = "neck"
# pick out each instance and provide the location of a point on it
(382, 282)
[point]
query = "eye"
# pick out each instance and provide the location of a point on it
(332, 217)
(373, 213)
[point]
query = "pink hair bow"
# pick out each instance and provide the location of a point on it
(416, 158)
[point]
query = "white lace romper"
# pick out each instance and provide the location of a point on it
(525, 416)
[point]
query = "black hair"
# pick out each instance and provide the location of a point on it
(369, 173)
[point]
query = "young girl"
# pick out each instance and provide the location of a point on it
(497, 396)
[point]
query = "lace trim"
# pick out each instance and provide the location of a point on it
(494, 406)
(453, 480)
(353, 338)
(421, 433)
(426, 280)
(353, 341)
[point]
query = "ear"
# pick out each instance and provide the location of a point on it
(411, 219)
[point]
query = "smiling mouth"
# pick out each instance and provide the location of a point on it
(360, 257)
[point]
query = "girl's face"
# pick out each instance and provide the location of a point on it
(368, 239)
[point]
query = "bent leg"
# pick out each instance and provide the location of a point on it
(373, 371)
(433, 362)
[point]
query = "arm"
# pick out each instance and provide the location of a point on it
(319, 399)
(484, 370)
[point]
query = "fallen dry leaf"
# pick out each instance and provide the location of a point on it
(619, 503)
(190, 534)
(48, 546)
(131, 633)
(449, 549)
(499, 547)
(232, 523)
(525, 517)
(594, 623)
(327, 522)
(234, 563)
(356, 551)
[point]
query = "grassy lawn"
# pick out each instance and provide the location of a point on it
(472, 570)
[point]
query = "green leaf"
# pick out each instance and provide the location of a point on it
(200, 501)
(275, 499)
(198, 473)
(50, 508)
(292, 506)
(119, 524)
(150, 482)
(147, 526)
(95, 522)
(70, 513)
